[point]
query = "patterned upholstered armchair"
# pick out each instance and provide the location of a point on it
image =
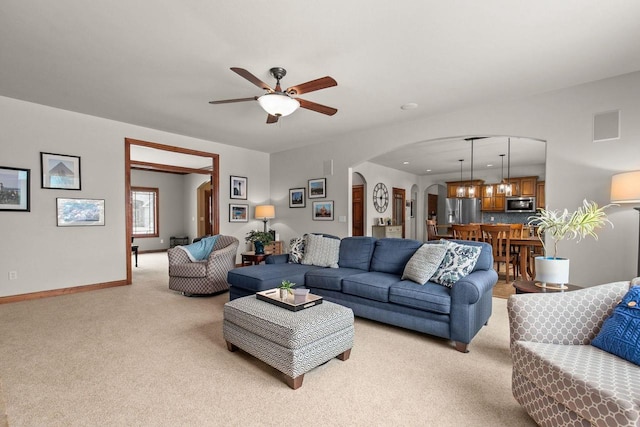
(559, 378)
(203, 277)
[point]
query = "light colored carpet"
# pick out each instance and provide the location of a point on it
(144, 355)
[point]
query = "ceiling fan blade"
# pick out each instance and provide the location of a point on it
(272, 119)
(253, 79)
(317, 84)
(329, 111)
(227, 101)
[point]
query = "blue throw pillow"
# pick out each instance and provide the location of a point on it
(620, 334)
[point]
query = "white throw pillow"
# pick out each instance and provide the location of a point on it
(424, 263)
(321, 251)
(458, 262)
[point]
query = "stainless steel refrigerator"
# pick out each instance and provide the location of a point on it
(463, 211)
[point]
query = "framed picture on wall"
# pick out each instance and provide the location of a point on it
(60, 171)
(317, 188)
(238, 213)
(79, 212)
(297, 198)
(323, 211)
(14, 189)
(238, 187)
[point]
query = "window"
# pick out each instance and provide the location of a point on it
(144, 202)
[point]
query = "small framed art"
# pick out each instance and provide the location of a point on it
(238, 187)
(14, 189)
(317, 188)
(238, 213)
(79, 212)
(297, 198)
(60, 171)
(323, 211)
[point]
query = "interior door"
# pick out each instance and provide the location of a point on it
(357, 209)
(205, 227)
(399, 211)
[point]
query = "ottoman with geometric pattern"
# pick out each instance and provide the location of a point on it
(292, 342)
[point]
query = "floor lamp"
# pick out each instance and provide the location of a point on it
(625, 188)
(265, 213)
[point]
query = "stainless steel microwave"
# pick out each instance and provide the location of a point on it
(520, 204)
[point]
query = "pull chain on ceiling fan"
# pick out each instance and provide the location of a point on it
(279, 103)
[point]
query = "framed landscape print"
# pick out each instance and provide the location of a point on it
(238, 187)
(14, 189)
(80, 212)
(296, 198)
(60, 171)
(323, 211)
(317, 188)
(238, 213)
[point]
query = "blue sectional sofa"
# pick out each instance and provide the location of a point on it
(368, 281)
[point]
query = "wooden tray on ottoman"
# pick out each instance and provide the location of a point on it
(272, 296)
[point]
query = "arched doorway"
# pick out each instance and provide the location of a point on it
(358, 204)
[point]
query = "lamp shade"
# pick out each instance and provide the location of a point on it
(278, 105)
(265, 212)
(625, 187)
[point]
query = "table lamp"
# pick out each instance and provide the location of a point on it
(625, 188)
(265, 213)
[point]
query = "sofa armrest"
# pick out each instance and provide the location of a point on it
(277, 259)
(568, 318)
(470, 289)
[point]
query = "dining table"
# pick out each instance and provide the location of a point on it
(526, 244)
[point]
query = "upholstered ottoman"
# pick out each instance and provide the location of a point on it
(292, 342)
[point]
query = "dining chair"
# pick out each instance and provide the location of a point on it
(499, 236)
(467, 232)
(432, 230)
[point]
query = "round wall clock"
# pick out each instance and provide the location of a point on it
(380, 197)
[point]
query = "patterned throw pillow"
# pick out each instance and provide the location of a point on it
(458, 262)
(424, 263)
(321, 251)
(296, 250)
(620, 333)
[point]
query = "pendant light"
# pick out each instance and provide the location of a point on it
(502, 186)
(508, 190)
(471, 191)
(460, 191)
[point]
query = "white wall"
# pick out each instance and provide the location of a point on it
(48, 257)
(576, 167)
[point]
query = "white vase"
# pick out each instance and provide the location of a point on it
(552, 270)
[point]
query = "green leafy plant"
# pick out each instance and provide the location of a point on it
(568, 226)
(287, 285)
(265, 237)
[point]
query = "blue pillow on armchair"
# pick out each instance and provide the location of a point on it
(620, 333)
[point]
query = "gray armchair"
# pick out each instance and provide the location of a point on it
(203, 277)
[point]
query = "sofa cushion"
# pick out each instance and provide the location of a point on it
(261, 277)
(296, 250)
(372, 285)
(485, 260)
(328, 278)
(355, 252)
(424, 263)
(391, 255)
(189, 269)
(620, 333)
(458, 262)
(600, 387)
(428, 297)
(321, 251)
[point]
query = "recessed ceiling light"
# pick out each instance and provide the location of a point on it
(489, 165)
(405, 163)
(428, 170)
(409, 106)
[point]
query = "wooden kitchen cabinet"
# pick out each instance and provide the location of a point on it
(491, 200)
(528, 186)
(452, 187)
(540, 200)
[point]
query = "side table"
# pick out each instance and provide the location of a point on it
(530, 287)
(250, 258)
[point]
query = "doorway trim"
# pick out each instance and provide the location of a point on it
(129, 164)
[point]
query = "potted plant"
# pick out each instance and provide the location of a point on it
(560, 226)
(286, 288)
(259, 239)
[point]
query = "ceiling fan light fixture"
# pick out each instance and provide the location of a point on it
(278, 104)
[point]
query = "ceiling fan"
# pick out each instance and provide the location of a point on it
(279, 103)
